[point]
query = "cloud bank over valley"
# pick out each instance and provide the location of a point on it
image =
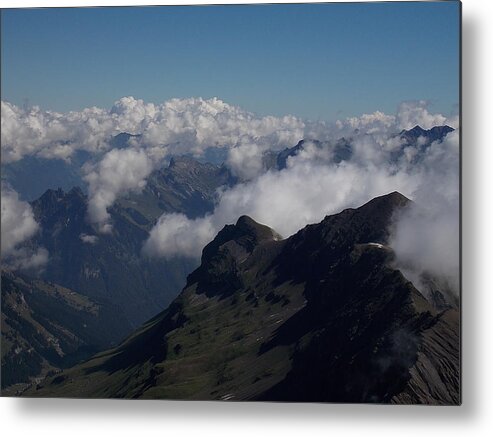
(322, 176)
(18, 226)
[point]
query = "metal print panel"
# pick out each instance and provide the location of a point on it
(236, 203)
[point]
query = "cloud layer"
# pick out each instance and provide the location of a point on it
(286, 201)
(177, 126)
(313, 185)
(18, 226)
(118, 172)
(182, 126)
(426, 236)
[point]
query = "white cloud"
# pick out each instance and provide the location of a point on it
(305, 193)
(181, 126)
(89, 239)
(18, 223)
(178, 125)
(176, 235)
(52, 135)
(245, 160)
(118, 172)
(426, 236)
(426, 243)
(371, 123)
(309, 188)
(415, 113)
(27, 259)
(287, 200)
(409, 114)
(18, 226)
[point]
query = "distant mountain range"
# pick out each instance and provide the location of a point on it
(320, 316)
(342, 149)
(430, 135)
(31, 176)
(250, 318)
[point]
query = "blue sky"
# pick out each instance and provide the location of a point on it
(322, 61)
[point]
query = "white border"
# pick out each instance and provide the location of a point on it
(51, 417)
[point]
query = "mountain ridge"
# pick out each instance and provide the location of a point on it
(319, 316)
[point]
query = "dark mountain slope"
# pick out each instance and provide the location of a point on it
(320, 316)
(186, 186)
(46, 326)
(111, 269)
(108, 269)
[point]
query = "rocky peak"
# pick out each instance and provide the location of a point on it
(440, 131)
(433, 134)
(384, 205)
(283, 155)
(52, 195)
(218, 272)
(54, 198)
(246, 233)
(122, 139)
(76, 192)
(368, 223)
(416, 131)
